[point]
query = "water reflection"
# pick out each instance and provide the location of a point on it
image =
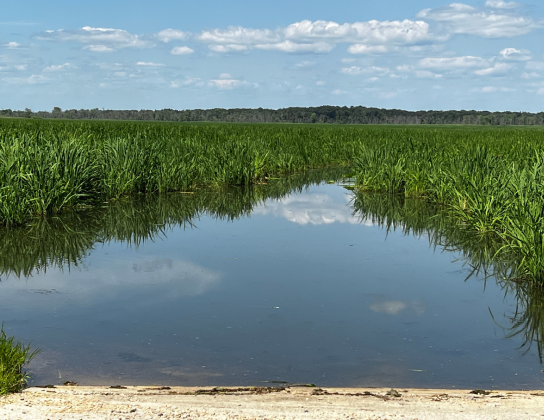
(314, 209)
(478, 253)
(342, 300)
(63, 242)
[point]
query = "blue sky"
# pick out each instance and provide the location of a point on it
(419, 54)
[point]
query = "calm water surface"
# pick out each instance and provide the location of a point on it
(297, 289)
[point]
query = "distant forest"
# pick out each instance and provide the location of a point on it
(321, 114)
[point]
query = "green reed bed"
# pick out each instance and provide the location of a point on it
(488, 181)
(48, 166)
(14, 355)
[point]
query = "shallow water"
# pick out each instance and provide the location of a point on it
(298, 289)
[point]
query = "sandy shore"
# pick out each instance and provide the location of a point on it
(74, 402)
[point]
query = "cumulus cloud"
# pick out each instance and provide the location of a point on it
(12, 45)
(97, 39)
(149, 64)
(226, 82)
(500, 4)
(305, 64)
(319, 36)
(31, 80)
(188, 81)
(368, 49)
(239, 35)
(293, 47)
(371, 32)
(181, 51)
(452, 63)
(99, 48)
(498, 69)
(57, 67)
(493, 89)
(168, 35)
(515, 54)
(356, 70)
(460, 18)
(227, 48)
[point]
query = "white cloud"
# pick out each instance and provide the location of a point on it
(293, 47)
(515, 54)
(493, 89)
(464, 19)
(368, 49)
(99, 48)
(305, 64)
(31, 80)
(168, 35)
(226, 82)
(227, 48)
(188, 81)
(499, 69)
(320, 83)
(540, 91)
(12, 45)
(452, 63)
(489, 89)
(371, 32)
(58, 67)
(355, 70)
(531, 75)
(338, 92)
(405, 68)
(99, 39)
(149, 64)
(239, 35)
(320, 36)
(181, 51)
(500, 4)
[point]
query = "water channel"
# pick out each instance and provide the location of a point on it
(300, 280)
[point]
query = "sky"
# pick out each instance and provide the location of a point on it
(413, 55)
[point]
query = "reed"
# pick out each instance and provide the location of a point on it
(49, 166)
(14, 355)
(489, 180)
(489, 183)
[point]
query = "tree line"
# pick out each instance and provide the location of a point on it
(320, 114)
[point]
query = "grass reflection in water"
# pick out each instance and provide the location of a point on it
(478, 251)
(64, 242)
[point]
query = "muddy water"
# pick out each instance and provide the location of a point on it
(239, 287)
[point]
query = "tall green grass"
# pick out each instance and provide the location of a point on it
(489, 182)
(14, 355)
(48, 166)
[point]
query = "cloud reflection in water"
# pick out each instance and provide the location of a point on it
(312, 208)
